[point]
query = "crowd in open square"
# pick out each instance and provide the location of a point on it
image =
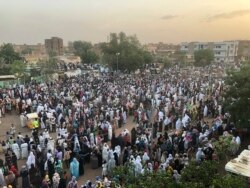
(148, 122)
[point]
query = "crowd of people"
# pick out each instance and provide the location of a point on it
(170, 112)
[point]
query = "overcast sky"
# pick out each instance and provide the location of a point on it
(171, 21)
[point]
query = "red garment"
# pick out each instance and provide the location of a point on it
(14, 170)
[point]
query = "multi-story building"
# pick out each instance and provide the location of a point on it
(224, 52)
(161, 48)
(25, 49)
(31, 53)
(54, 45)
(244, 50)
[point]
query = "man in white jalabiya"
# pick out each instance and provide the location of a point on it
(51, 145)
(105, 152)
(15, 148)
(22, 120)
(31, 160)
(24, 150)
(138, 166)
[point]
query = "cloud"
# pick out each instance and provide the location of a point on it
(168, 17)
(229, 15)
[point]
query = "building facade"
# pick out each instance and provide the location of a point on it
(54, 45)
(224, 52)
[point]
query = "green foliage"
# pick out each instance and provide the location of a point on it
(131, 54)
(26, 51)
(202, 174)
(223, 146)
(197, 176)
(229, 181)
(18, 68)
(127, 178)
(47, 67)
(8, 55)
(165, 61)
(179, 56)
(85, 51)
(203, 57)
(237, 95)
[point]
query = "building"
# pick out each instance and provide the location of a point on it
(32, 53)
(244, 50)
(161, 49)
(54, 45)
(25, 49)
(224, 52)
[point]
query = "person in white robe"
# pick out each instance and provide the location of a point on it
(138, 166)
(51, 145)
(110, 131)
(111, 164)
(76, 145)
(199, 155)
(31, 160)
(205, 111)
(41, 141)
(178, 124)
(118, 150)
(124, 115)
(145, 157)
(104, 169)
(22, 120)
(46, 134)
(24, 150)
(15, 148)
(92, 139)
(105, 152)
(238, 141)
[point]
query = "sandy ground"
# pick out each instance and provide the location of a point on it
(13, 118)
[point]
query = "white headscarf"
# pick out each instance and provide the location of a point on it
(31, 160)
(145, 157)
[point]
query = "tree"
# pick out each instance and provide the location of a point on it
(179, 56)
(85, 51)
(203, 57)
(165, 61)
(125, 176)
(47, 67)
(207, 174)
(8, 54)
(26, 51)
(194, 175)
(131, 56)
(229, 181)
(17, 67)
(237, 96)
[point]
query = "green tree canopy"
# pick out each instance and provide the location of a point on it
(47, 67)
(8, 54)
(194, 175)
(203, 57)
(237, 95)
(165, 62)
(124, 51)
(18, 68)
(85, 51)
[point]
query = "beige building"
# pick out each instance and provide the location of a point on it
(25, 49)
(54, 45)
(224, 52)
(162, 49)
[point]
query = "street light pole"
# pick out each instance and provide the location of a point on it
(117, 54)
